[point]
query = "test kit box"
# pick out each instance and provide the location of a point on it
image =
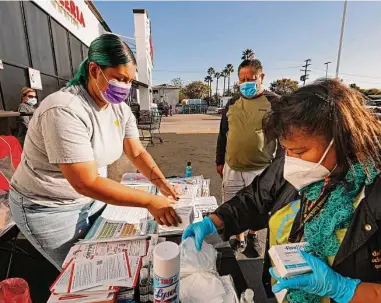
(288, 263)
(186, 214)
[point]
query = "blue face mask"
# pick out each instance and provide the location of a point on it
(248, 89)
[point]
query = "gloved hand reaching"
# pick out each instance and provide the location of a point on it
(199, 231)
(323, 281)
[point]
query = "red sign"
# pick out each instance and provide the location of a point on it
(73, 10)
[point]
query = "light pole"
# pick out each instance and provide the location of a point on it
(326, 69)
(341, 38)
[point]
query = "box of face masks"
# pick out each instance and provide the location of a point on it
(288, 263)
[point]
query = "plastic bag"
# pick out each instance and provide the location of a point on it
(199, 281)
(192, 260)
(14, 290)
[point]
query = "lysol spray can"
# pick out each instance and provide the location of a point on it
(166, 271)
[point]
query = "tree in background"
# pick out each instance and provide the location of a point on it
(248, 54)
(236, 93)
(177, 82)
(371, 91)
(211, 71)
(196, 90)
(366, 91)
(284, 86)
(208, 79)
(224, 74)
(217, 75)
(229, 70)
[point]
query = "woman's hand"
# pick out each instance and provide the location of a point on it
(161, 209)
(168, 189)
(323, 281)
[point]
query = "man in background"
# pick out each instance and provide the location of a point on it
(242, 152)
(27, 105)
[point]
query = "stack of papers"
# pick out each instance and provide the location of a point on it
(92, 280)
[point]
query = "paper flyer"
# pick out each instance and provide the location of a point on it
(109, 231)
(83, 251)
(186, 191)
(132, 215)
(204, 205)
(98, 271)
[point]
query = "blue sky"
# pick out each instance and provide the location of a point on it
(189, 37)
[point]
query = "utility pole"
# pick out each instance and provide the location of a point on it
(305, 70)
(326, 69)
(341, 38)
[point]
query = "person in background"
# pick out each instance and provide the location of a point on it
(28, 105)
(242, 153)
(324, 191)
(74, 132)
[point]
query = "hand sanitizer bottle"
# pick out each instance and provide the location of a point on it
(188, 170)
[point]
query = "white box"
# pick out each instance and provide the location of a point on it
(288, 263)
(186, 215)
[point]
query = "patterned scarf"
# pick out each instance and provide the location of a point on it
(338, 212)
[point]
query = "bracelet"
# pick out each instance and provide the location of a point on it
(150, 175)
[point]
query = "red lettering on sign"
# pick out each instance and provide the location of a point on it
(72, 9)
(77, 12)
(67, 5)
(82, 20)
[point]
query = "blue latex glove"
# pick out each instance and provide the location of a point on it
(323, 281)
(199, 231)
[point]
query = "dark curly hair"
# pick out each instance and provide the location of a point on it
(328, 107)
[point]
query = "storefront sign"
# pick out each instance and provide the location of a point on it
(35, 79)
(69, 8)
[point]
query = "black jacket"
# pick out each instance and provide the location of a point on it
(224, 128)
(359, 255)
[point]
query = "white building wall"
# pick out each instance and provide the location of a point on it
(143, 57)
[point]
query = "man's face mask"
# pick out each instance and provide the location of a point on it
(248, 89)
(116, 92)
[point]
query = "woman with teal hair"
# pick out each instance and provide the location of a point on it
(76, 131)
(325, 191)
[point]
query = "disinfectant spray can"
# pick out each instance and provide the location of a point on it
(166, 271)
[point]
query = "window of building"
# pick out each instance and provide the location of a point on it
(12, 82)
(85, 51)
(61, 50)
(12, 38)
(39, 38)
(49, 86)
(76, 52)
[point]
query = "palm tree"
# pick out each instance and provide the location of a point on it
(224, 74)
(217, 75)
(211, 71)
(229, 70)
(208, 79)
(248, 54)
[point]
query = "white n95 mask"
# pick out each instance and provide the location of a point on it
(301, 173)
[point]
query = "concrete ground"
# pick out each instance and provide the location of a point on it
(193, 138)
